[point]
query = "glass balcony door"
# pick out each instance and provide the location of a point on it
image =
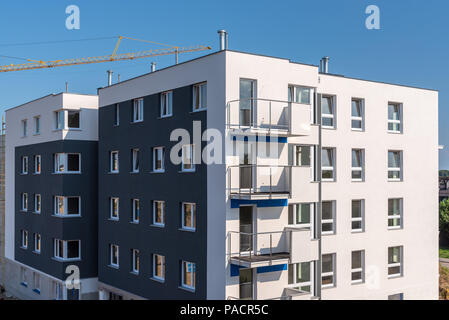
(247, 101)
(246, 229)
(246, 284)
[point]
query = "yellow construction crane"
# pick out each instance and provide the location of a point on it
(34, 64)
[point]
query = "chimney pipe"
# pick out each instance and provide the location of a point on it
(153, 66)
(325, 64)
(109, 77)
(66, 87)
(118, 78)
(223, 36)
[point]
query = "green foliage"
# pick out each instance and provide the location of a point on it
(444, 173)
(444, 217)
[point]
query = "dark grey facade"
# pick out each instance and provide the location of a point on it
(48, 185)
(172, 186)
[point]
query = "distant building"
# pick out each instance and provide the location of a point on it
(444, 188)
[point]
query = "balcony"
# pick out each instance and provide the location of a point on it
(253, 250)
(268, 117)
(288, 294)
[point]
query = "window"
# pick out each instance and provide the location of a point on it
(67, 250)
(135, 160)
(37, 243)
(358, 215)
(187, 158)
(328, 217)
(59, 119)
(302, 156)
(395, 261)
(23, 277)
(37, 203)
(37, 125)
(299, 214)
(114, 165)
(199, 97)
(138, 110)
(328, 164)
(328, 270)
(73, 119)
(188, 275)
(299, 94)
(24, 165)
(358, 163)
(398, 296)
(358, 266)
(166, 104)
(56, 289)
(114, 255)
(158, 159)
(24, 128)
(189, 216)
(357, 114)
(67, 163)
(114, 203)
(158, 267)
(299, 276)
(136, 210)
(327, 112)
(37, 164)
(67, 206)
(24, 202)
(36, 283)
(159, 213)
(394, 213)
(116, 114)
(394, 165)
(24, 239)
(394, 117)
(135, 261)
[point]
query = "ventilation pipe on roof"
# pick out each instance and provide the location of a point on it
(324, 64)
(223, 36)
(153, 66)
(109, 77)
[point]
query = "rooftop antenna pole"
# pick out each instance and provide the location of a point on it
(118, 77)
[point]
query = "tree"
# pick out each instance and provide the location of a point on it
(444, 217)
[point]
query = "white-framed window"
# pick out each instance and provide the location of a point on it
(189, 216)
(188, 165)
(73, 119)
(158, 159)
(37, 243)
(395, 209)
(135, 160)
(328, 164)
(299, 214)
(24, 202)
(36, 282)
(328, 275)
(328, 112)
(301, 156)
(358, 216)
(188, 275)
(159, 267)
(395, 257)
(114, 255)
(136, 210)
(300, 276)
(56, 289)
(357, 114)
(358, 266)
(114, 162)
(328, 217)
(159, 213)
(114, 211)
(135, 256)
(67, 163)
(394, 165)
(24, 128)
(138, 110)
(37, 125)
(67, 206)
(24, 165)
(299, 94)
(37, 203)
(23, 277)
(394, 117)
(67, 250)
(59, 120)
(358, 165)
(199, 97)
(166, 104)
(37, 164)
(24, 239)
(117, 114)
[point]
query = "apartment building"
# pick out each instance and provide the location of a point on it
(51, 198)
(241, 176)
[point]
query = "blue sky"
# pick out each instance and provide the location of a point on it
(411, 48)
